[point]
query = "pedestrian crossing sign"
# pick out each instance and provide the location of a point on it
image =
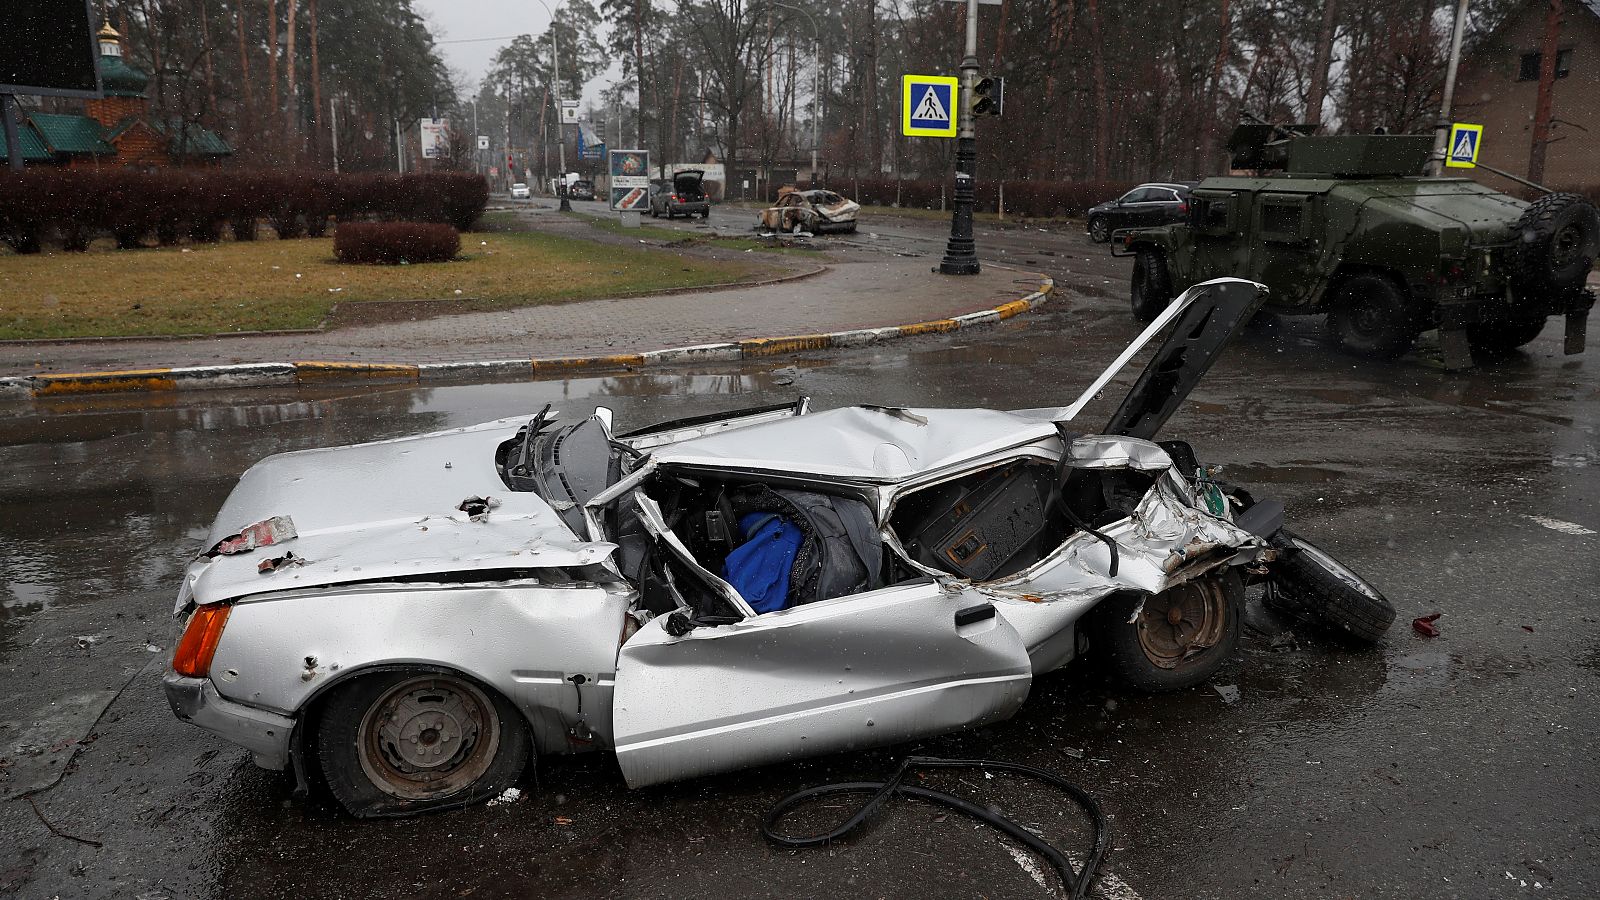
(1462, 152)
(928, 105)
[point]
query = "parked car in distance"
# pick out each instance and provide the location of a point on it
(519, 191)
(683, 195)
(815, 211)
(581, 190)
(1154, 203)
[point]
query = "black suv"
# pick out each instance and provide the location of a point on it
(1155, 203)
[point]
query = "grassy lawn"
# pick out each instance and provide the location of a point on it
(270, 284)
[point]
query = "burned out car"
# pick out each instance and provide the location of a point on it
(414, 620)
(816, 211)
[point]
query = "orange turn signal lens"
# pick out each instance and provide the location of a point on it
(199, 641)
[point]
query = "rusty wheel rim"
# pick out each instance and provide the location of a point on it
(1178, 624)
(428, 737)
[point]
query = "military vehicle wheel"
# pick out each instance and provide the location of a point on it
(1371, 316)
(1152, 287)
(1560, 242)
(1099, 230)
(1495, 338)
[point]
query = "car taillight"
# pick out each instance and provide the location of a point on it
(1183, 207)
(676, 199)
(199, 641)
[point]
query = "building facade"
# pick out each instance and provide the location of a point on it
(1498, 88)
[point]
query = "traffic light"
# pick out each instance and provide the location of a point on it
(989, 96)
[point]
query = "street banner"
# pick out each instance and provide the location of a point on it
(589, 144)
(630, 179)
(928, 105)
(1462, 151)
(434, 135)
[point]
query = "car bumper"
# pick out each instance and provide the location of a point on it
(265, 734)
(687, 209)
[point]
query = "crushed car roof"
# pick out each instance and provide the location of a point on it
(871, 443)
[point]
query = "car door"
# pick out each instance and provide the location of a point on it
(874, 668)
(1126, 213)
(1166, 208)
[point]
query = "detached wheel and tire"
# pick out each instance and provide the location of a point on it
(1309, 585)
(1099, 230)
(1372, 316)
(1180, 637)
(1151, 290)
(406, 742)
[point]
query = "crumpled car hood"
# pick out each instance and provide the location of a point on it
(383, 510)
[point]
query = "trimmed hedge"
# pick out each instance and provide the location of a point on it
(1029, 199)
(393, 243)
(73, 206)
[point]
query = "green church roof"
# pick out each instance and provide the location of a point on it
(33, 149)
(192, 139)
(65, 133)
(118, 79)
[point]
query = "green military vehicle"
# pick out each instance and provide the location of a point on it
(1350, 226)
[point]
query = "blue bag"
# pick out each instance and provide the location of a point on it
(759, 568)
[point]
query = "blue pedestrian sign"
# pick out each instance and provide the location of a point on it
(1462, 152)
(928, 105)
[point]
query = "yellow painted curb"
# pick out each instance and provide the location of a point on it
(311, 370)
(937, 326)
(1007, 310)
(564, 363)
(104, 382)
(791, 344)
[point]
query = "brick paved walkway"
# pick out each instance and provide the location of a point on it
(859, 290)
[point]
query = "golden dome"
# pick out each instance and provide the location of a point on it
(107, 32)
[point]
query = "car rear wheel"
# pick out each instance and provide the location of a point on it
(1099, 229)
(1176, 639)
(1499, 338)
(1152, 286)
(398, 743)
(1372, 316)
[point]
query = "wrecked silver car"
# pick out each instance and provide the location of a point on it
(816, 211)
(414, 620)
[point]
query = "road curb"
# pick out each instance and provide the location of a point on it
(319, 372)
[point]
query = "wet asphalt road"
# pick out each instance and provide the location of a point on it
(1459, 766)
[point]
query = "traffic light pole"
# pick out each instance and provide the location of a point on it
(960, 253)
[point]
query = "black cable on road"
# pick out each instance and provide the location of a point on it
(1077, 883)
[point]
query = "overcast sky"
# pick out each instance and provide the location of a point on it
(456, 24)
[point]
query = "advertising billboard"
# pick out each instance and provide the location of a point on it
(434, 138)
(630, 179)
(47, 47)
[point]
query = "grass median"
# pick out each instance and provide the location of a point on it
(269, 284)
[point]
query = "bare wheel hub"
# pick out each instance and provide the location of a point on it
(428, 737)
(1179, 623)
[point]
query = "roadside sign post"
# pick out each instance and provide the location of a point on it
(630, 183)
(1462, 148)
(961, 252)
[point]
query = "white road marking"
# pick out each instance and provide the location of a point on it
(1106, 885)
(1558, 525)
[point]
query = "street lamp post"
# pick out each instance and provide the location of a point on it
(960, 252)
(1442, 126)
(816, 82)
(561, 137)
